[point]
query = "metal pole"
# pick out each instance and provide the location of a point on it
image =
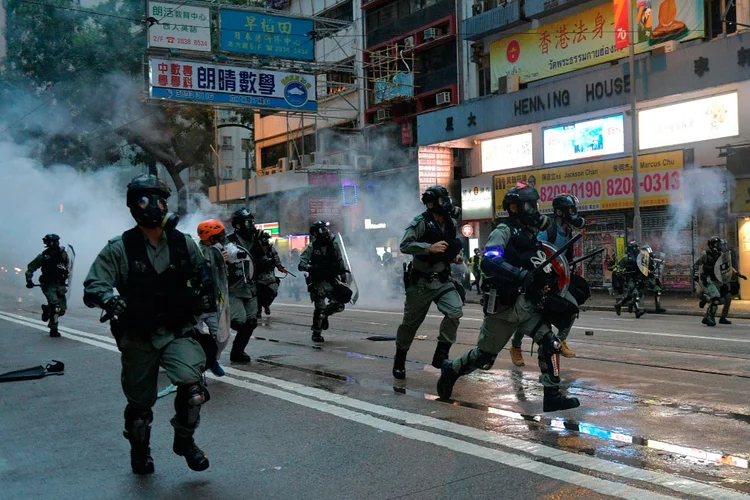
(216, 143)
(634, 125)
(247, 177)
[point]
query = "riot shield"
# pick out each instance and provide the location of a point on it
(559, 267)
(723, 267)
(219, 272)
(350, 281)
(71, 263)
(643, 259)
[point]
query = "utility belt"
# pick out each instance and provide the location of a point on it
(443, 276)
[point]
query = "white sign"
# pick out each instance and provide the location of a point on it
(699, 120)
(179, 26)
(476, 198)
(234, 85)
(378, 225)
(598, 137)
(511, 151)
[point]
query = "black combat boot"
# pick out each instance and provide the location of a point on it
(238, 355)
(658, 307)
(399, 364)
(555, 401)
(194, 456)
(441, 354)
(45, 313)
(618, 308)
(447, 380)
(53, 332)
(703, 301)
(138, 432)
(724, 321)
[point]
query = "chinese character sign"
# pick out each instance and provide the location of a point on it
(251, 32)
(179, 27)
(234, 85)
(590, 38)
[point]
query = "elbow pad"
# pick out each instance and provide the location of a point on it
(494, 264)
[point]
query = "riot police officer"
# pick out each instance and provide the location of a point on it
(633, 279)
(323, 261)
(653, 282)
(560, 232)
(431, 239)
(519, 294)
(55, 264)
(155, 269)
(267, 260)
(713, 273)
(243, 292)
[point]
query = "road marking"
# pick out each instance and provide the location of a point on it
(323, 402)
(611, 330)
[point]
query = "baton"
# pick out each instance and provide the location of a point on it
(585, 257)
(559, 251)
(293, 275)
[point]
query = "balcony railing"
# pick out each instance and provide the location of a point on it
(495, 19)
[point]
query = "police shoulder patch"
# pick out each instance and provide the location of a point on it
(415, 222)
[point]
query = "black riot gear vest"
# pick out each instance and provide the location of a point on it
(154, 300)
(53, 268)
(710, 264)
(521, 248)
(434, 233)
(325, 261)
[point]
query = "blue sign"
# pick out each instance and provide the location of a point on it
(401, 85)
(257, 33)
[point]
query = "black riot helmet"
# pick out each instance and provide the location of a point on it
(714, 244)
(526, 200)
(319, 231)
(567, 204)
(441, 201)
(633, 248)
(265, 238)
(147, 199)
(51, 241)
(243, 222)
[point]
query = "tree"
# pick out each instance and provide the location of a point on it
(75, 76)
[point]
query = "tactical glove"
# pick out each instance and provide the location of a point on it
(115, 306)
(29, 284)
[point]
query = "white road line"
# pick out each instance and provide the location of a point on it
(612, 330)
(323, 400)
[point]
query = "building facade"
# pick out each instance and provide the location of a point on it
(548, 102)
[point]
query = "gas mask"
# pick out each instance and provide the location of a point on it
(528, 214)
(150, 210)
(246, 228)
(574, 219)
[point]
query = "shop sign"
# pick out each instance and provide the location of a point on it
(435, 166)
(369, 224)
(180, 26)
(573, 141)
(324, 208)
(258, 33)
(476, 198)
(741, 198)
(467, 230)
(588, 38)
(692, 121)
(270, 227)
(602, 185)
(511, 151)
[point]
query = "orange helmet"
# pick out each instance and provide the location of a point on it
(209, 228)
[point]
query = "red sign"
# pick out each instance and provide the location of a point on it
(467, 230)
(513, 52)
(621, 11)
(406, 133)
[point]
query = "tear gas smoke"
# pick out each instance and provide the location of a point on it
(703, 193)
(85, 209)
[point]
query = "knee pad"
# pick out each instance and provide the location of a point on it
(188, 402)
(549, 358)
(137, 424)
(333, 308)
(251, 324)
(485, 360)
(716, 301)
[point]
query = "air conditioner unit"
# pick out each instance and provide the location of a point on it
(507, 84)
(409, 42)
(664, 48)
(384, 114)
(308, 160)
(337, 159)
(477, 51)
(363, 163)
(477, 8)
(443, 98)
(432, 33)
(283, 164)
(293, 165)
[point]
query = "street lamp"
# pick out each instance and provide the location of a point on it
(634, 123)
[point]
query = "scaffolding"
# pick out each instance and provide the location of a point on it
(391, 74)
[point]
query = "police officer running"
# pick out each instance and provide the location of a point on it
(519, 296)
(323, 261)
(713, 273)
(155, 270)
(267, 260)
(634, 282)
(653, 282)
(55, 265)
(243, 293)
(431, 239)
(558, 234)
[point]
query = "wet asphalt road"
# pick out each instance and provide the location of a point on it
(664, 412)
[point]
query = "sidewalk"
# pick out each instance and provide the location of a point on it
(680, 304)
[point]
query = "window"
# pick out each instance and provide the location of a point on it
(227, 171)
(226, 142)
(484, 75)
(340, 12)
(342, 80)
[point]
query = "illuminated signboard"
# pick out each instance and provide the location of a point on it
(598, 137)
(692, 121)
(511, 151)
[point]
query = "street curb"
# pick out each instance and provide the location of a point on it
(670, 312)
